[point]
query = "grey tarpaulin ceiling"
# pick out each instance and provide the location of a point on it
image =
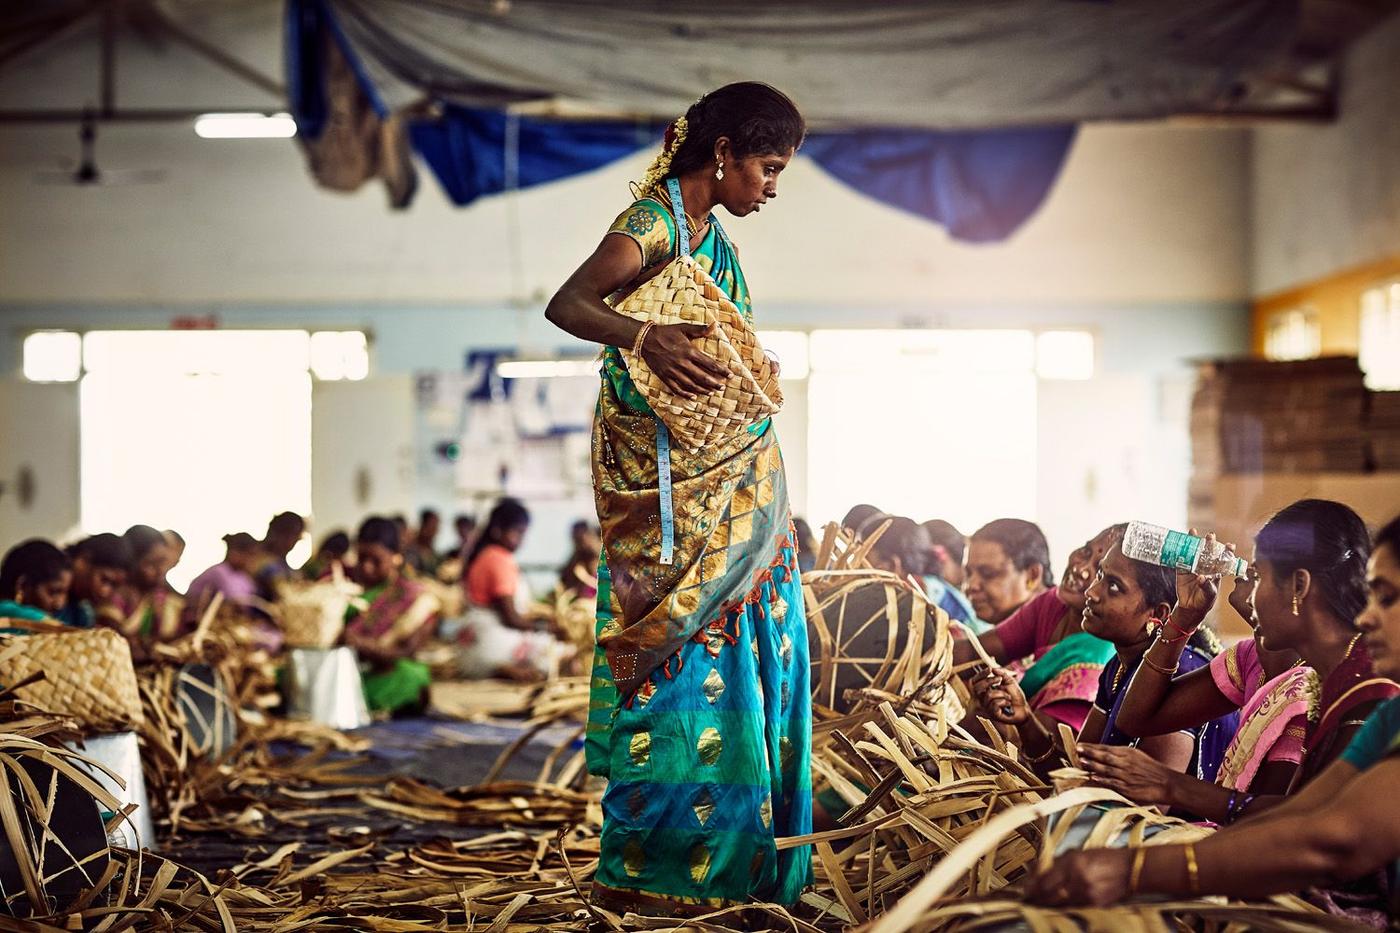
(943, 63)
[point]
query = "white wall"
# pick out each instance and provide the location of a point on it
(1327, 198)
(1142, 214)
(1143, 240)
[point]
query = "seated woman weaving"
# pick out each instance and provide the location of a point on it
(400, 616)
(1337, 828)
(100, 567)
(1062, 678)
(34, 581)
(496, 640)
(228, 578)
(144, 609)
(1309, 570)
(1128, 602)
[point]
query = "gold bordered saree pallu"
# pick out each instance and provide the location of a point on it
(700, 710)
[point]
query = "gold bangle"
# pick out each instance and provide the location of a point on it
(641, 338)
(1193, 873)
(1168, 671)
(1135, 875)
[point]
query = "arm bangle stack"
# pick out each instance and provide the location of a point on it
(641, 338)
(1237, 805)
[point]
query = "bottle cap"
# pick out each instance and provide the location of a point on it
(1240, 566)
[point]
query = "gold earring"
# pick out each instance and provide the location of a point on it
(719, 172)
(1295, 604)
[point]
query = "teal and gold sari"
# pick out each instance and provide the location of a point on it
(700, 713)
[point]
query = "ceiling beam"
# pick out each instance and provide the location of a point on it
(59, 30)
(127, 115)
(206, 49)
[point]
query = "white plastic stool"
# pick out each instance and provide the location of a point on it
(323, 684)
(121, 753)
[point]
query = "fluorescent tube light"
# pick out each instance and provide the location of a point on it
(245, 126)
(545, 369)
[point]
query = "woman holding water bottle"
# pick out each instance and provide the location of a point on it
(1308, 583)
(1128, 601)
(1339, 827)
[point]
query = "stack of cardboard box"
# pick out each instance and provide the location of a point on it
(1263, 417)
(1383, 430)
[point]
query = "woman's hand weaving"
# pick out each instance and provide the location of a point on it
(999, 695)
(671, 353)
(1130, 771)
(1093, 876)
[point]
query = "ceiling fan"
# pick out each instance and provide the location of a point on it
(87, 174)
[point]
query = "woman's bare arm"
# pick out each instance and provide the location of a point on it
(1158, 705)
(578, 308)
(1092, 730)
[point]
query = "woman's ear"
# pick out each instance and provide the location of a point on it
(723, 151)
(1302, 583)
(1035, 576)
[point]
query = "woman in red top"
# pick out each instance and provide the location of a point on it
(496, 639)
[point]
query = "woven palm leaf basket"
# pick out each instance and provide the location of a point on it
(684, 293)
(87, 674)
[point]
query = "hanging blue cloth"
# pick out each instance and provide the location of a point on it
(470, 150)
(980, 185)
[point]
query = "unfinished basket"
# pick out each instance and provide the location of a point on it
(684, 293)
(313, 614)
(88, 675)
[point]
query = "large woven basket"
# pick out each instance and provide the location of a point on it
(684, 293)
(88, 675)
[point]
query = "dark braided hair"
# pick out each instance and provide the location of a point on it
(508, 513)
(1389, 536)
(757, 118)
(35, 561)
(382, 531)
(904, 539)
(1328, 540)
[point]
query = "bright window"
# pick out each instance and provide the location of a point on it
(1064, 354)
(53, 356)
(791, 350)
(205, 432)
(339, 355)
(1294, 334)
(1380, 336)
(924, 423)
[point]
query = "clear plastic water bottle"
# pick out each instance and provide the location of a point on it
(1154, 544)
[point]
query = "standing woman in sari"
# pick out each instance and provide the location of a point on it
(701, 711)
